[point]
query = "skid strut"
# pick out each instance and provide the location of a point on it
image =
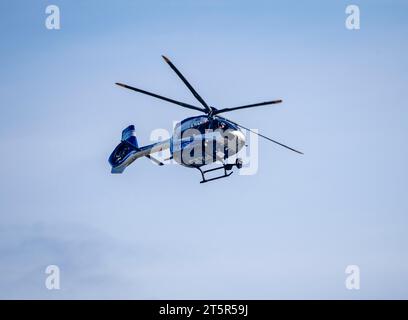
(225, 166)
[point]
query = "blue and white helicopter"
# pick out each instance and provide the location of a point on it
(196, 142)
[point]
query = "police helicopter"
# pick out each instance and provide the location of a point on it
(197, 142)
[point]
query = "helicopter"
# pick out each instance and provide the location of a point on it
(197, 142)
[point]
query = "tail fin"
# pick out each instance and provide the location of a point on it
(129, 135)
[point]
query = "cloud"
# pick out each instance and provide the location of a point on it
(92, 264)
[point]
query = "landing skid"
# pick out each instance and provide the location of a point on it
(226, 167)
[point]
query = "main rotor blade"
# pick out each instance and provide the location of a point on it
(265, 137)
(247, 106)
(196, 95)
(185, 105)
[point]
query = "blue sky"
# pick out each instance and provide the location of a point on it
(287, 232)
